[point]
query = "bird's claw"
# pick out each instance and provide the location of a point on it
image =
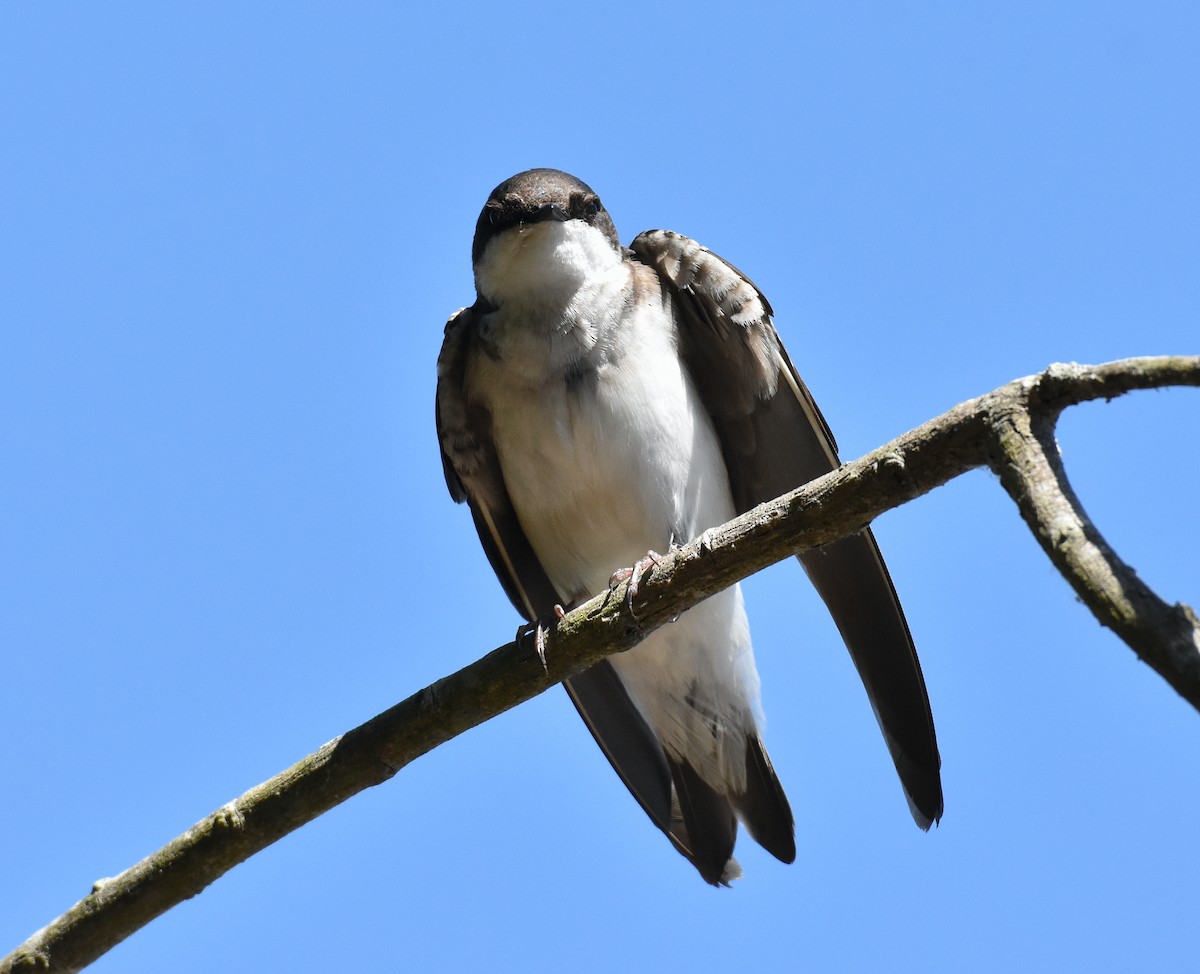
(539, 639)
(539, 634)
(634, 573)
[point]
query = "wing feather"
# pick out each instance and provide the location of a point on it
(775, 439)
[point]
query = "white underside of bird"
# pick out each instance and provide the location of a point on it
(591, 497)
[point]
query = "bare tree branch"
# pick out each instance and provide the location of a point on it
(1010, 430)
(1167, 637)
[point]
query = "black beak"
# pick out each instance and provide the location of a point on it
(548, 211)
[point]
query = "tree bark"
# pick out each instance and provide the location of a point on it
(1010, 430)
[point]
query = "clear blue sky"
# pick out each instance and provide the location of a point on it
(230, 235)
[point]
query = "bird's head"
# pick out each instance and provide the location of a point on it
(542, 229)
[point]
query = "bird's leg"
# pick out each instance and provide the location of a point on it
(634, 573)
(637, 570)
(539, 633)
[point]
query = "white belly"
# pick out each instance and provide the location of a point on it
(600, 472)
(603, 471)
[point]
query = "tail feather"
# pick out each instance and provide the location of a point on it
(699, 818)
(763, 806)
(703, 825)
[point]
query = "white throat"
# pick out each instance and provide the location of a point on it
(546, 264)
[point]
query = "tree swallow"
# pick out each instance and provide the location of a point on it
(597, 403)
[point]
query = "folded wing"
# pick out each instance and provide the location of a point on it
(775, 439)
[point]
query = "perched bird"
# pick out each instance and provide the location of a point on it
(596, 403)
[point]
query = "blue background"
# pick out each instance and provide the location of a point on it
(229, 237)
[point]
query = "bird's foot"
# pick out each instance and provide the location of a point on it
(539, 639)
(634, 574)
(539, 634)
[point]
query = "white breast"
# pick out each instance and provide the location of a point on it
(611, 460)
(608, 466)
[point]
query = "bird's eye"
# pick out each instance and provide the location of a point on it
(593, 205)
(495, 214)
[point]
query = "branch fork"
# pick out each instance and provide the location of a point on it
(1009, 430)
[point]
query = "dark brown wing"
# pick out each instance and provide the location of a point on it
(774, 439)
(473, 475)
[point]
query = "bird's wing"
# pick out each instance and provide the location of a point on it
(473, 475)
(775, 439)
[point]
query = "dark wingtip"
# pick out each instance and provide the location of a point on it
(922, 786)
(925, 820)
